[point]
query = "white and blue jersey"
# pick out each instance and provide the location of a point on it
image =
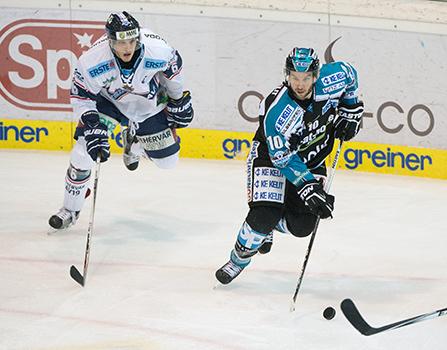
(138, 93)
(297, 136)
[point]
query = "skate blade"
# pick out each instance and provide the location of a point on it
(217, 286)
(53, 231)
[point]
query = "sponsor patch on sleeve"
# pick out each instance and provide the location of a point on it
(152, 63)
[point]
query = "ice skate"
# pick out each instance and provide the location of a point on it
(232, 268)
(266, 245)
(63, 219)
(131, 160)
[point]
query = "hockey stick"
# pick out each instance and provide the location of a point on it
(314, 232)
(74, 272)
(353, 315)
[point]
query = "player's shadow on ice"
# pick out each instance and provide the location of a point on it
(373, 289)
(153, 227)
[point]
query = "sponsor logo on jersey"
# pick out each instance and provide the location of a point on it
(118, 93)
(333, 78)
(351, 94)
(154, 36)
(151, 63)
(283, 117)
(102, 68)
(329, 103)
(281, 158)
(78, 76)
(289, 120)
(349, 71)
(106, 83)
(158, 141)
(268, 185)
(335, 87)
(252, 155)
(38, 58)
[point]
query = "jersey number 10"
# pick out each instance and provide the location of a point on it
(275, 142)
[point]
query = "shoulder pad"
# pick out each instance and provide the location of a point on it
(153, 39)
(97, 60)
(335, 78)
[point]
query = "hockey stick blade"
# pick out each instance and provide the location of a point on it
(76, 275)
(353, 316)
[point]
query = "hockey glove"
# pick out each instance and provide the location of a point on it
(180, 112)
(96, 136)
(348, 122)
(316, 199)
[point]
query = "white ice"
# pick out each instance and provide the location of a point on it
(160, 235)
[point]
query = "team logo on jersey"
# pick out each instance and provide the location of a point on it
(151, 63)
(102, 68)
(333, 78)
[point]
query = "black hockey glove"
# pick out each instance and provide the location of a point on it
(348, 121)
(316, 199)
(180, 112)
(96, 136)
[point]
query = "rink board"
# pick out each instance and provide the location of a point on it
(219, 144)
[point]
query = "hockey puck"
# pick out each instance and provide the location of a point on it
(329, 313)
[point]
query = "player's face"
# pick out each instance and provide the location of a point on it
(301, 83)
(124, 49)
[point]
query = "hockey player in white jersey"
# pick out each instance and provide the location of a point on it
(130, 76)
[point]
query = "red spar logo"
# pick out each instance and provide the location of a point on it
(38, 58)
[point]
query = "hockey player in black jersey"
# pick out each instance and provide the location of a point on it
(298, 124)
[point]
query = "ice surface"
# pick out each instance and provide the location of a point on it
(160, 235)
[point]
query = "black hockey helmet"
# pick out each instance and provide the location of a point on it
(122, 26)
(302, 60)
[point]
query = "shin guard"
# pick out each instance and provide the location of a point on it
(76, 186)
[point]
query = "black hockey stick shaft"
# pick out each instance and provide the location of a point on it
(314, 232)
(355, 318)
(74, 272)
